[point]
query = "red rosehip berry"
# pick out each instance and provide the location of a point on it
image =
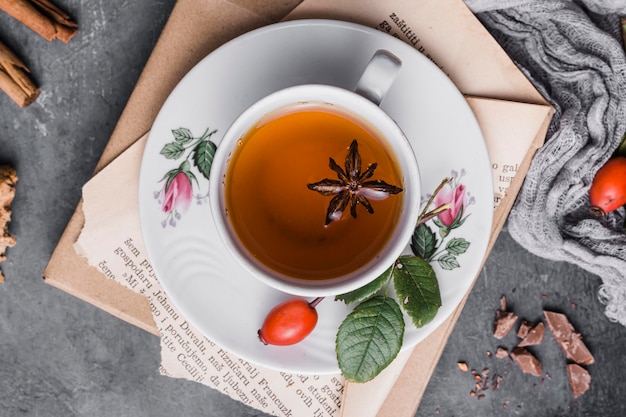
(289, 322)
(608, 189)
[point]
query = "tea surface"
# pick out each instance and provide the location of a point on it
(279, 220)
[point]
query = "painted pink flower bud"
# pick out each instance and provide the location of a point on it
(178, 194)
(455, 196)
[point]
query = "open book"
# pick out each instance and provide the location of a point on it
(118, 278)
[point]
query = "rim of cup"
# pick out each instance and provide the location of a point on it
(399, 148)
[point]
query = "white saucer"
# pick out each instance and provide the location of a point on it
(206, 284)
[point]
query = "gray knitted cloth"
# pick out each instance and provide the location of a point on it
(573, 54)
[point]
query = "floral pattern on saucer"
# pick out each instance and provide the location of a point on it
(425, 242)
(181, 183)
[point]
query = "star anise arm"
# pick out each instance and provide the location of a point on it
(353, 161)
(377, 190)
(366, 203)
(335, 167)
(380, 185)
(336, 207)
(327, 187)
(355, 200)
(368, 172)
(353, 203)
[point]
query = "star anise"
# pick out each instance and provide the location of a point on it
(352, 187)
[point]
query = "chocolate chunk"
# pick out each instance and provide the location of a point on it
(524, 328)
(502, 353)
(579, 379)
(505, 320)
(503, 303)
(534, 336)
(495, 382)
(569, 340)
(526, 361)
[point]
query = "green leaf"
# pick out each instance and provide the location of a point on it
(457, 246)
(417, 288)
(423, 242)
(369, 338)
(448, 262)
(203, 156)
(182, 135)
(172, 150)
(366, 291)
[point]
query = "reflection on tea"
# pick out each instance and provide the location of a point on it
(279, 220)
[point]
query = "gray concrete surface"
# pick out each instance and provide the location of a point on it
(60, 356)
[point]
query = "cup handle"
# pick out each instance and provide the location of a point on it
(378, 76)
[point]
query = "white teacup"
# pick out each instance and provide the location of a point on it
(266, 208)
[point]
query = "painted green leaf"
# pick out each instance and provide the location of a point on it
(182, 135)
(448, 262)
(457, 220)
(457, 246)
(417, 288)
(369, 338)
(191, 176)
(423, 242)
(172, 150)
(367, 290)
(185, 166)
(169, 175)
(203, 157)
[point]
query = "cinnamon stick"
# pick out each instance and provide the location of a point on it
(14, 79)
(42, 17)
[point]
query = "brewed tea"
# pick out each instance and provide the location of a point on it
(279, 220)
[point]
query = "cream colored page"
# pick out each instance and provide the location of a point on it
(446, 32)
(111, 241)
(363, 400)
(509, 129)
